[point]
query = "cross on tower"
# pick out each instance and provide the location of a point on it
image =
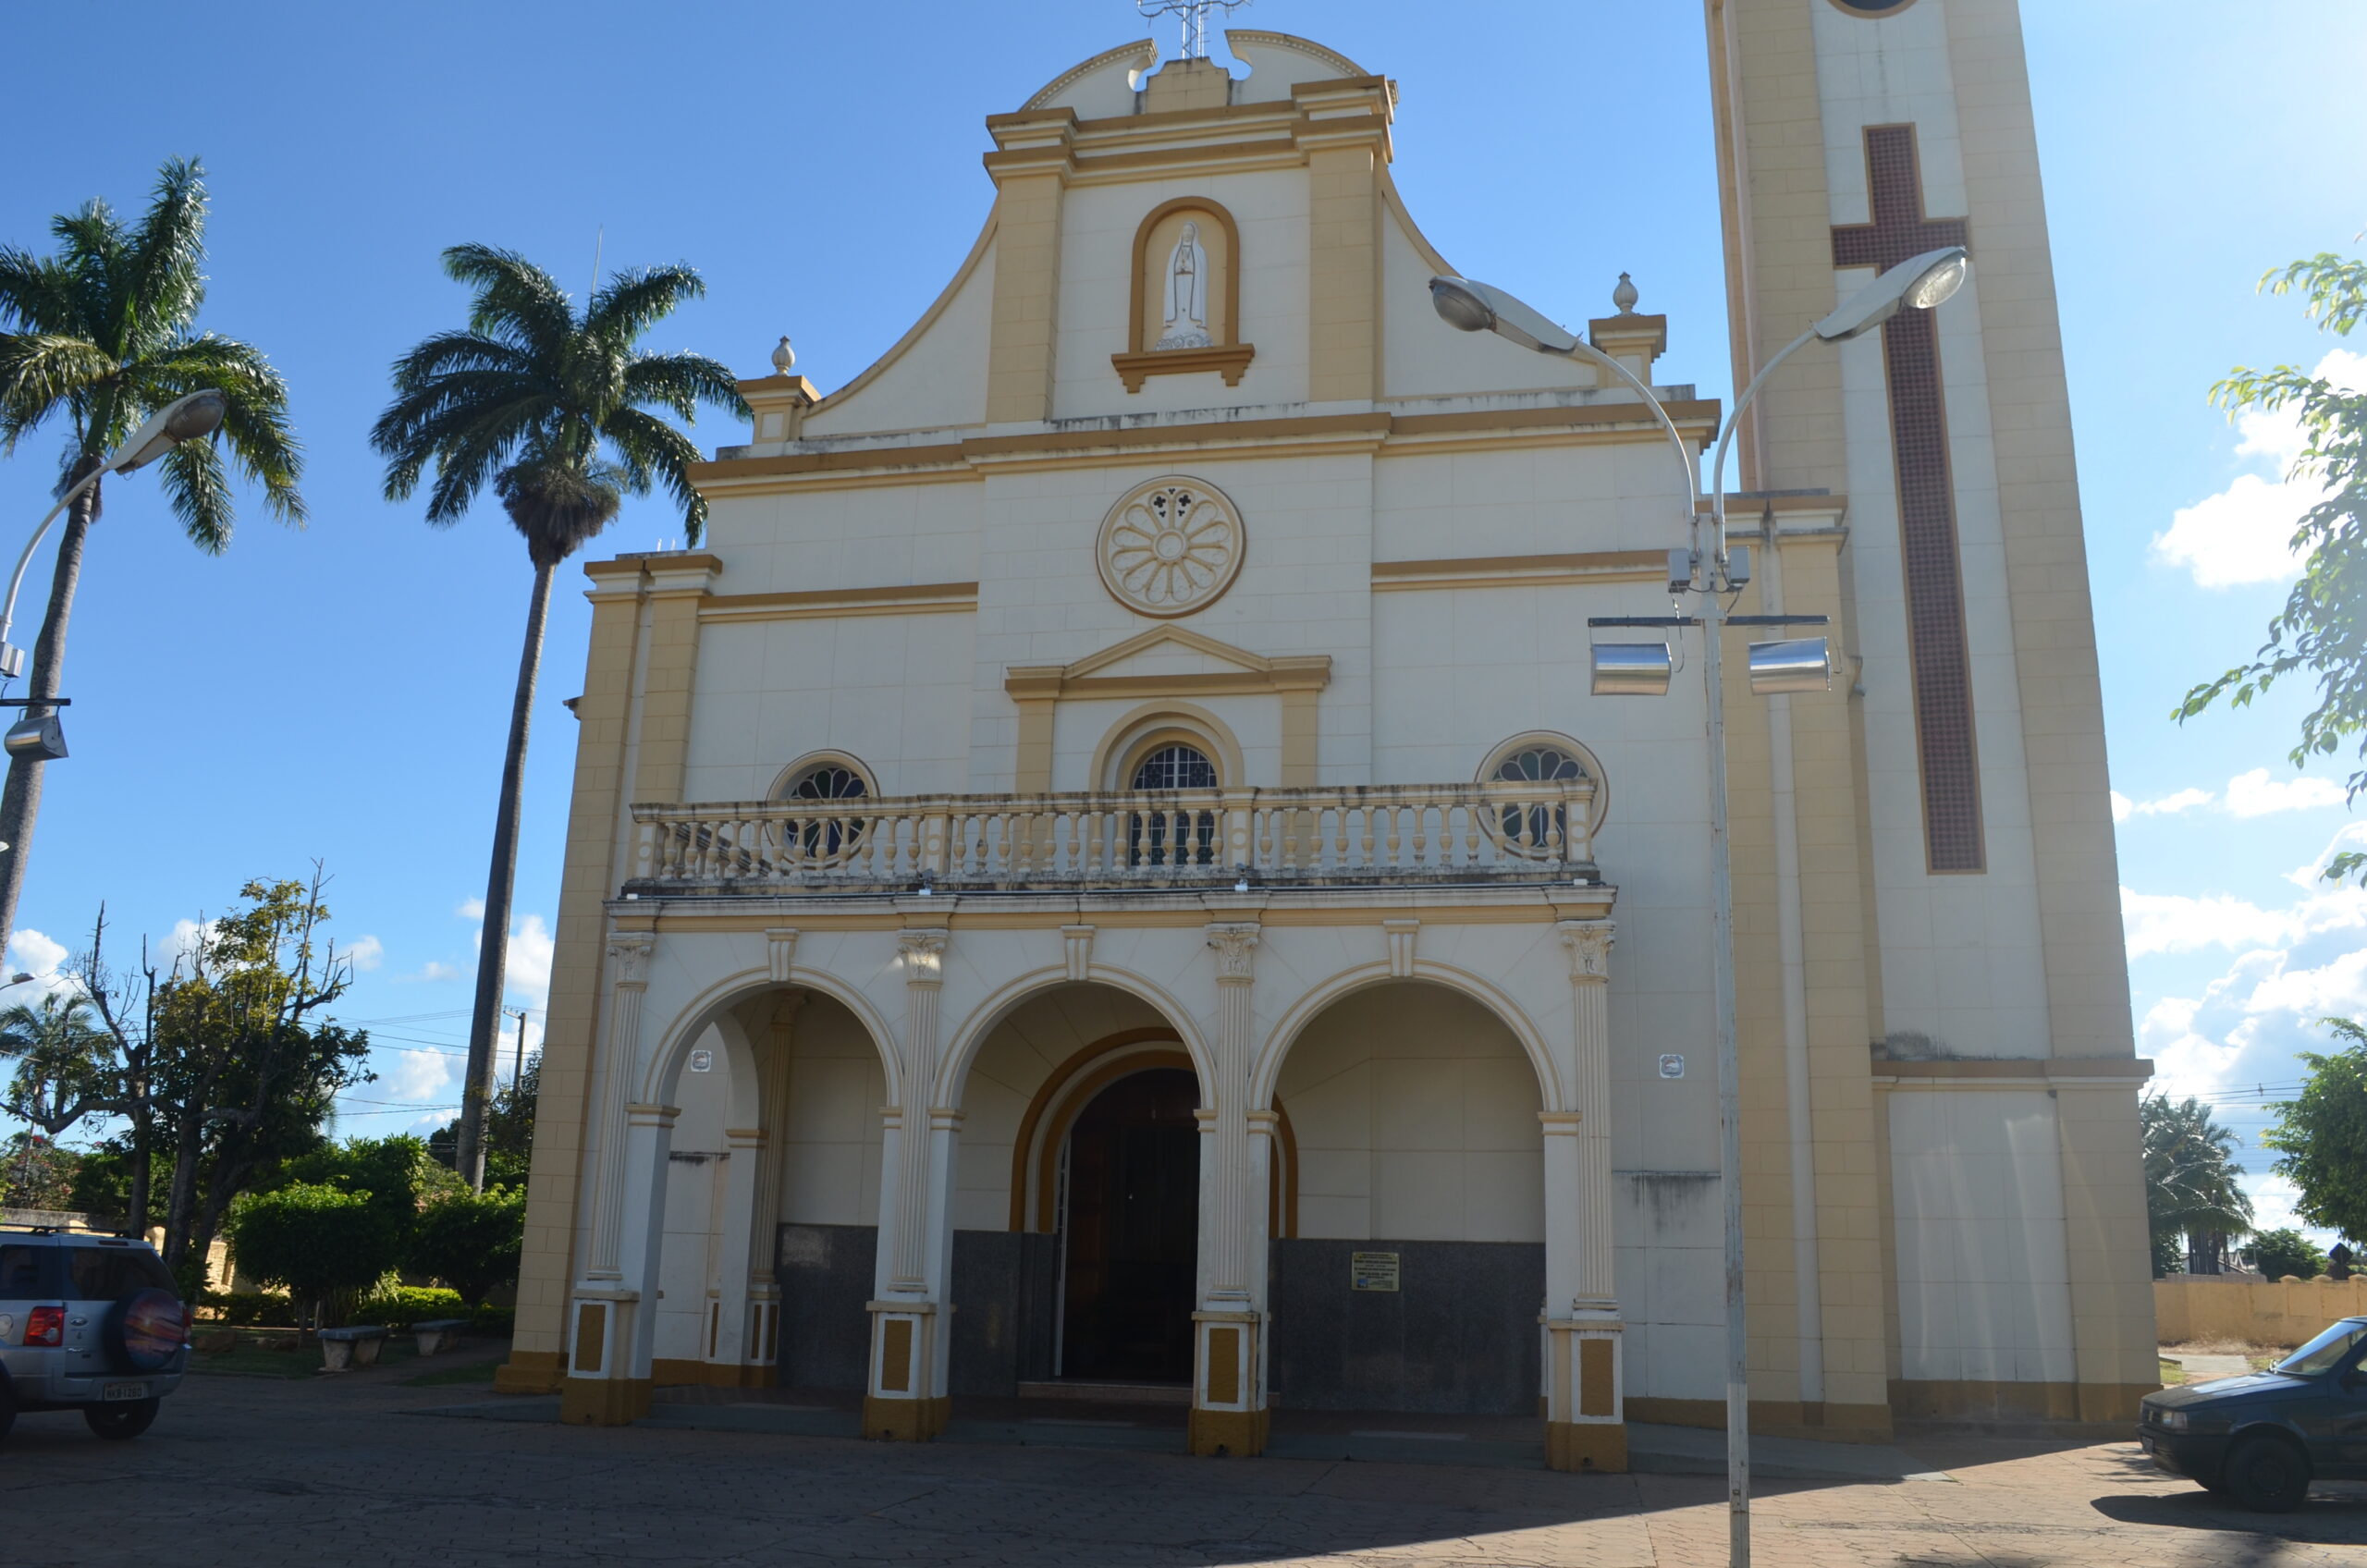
(1935, 627)
(1195, 19)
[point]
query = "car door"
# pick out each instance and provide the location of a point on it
(2338, 1446)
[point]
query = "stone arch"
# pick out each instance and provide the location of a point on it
(718, 1003)
(1156, 723)
(982, 1020)
(1286, 1031)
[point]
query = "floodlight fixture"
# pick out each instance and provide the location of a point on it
(1918, 283)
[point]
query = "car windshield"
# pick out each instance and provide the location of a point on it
(2325, 1352)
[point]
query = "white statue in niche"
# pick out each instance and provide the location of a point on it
(1187, 323)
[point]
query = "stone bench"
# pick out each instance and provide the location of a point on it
(438, 1333)
(342, 1350)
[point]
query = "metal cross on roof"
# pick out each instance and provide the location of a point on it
(1195, 19)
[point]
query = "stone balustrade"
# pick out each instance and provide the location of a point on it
(1490, 832)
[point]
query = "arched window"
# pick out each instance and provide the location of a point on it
(1193, 835)
(1174, 768)
(817, 779)
(1534, 759)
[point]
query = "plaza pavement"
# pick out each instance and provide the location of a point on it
(258, 1472)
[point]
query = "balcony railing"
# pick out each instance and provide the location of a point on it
(1385, 834)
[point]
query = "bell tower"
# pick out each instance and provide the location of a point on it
(1852, 134)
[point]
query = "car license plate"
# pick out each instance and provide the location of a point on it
(124, 1390)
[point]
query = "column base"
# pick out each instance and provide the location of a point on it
(603, 1402)
(905, 1420)
(1598, 1446)
(1237, 1434)
(530, 1372)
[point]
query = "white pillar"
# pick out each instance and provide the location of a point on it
(1586, 1428)
(904, 1398)
(1228, 1387)
(603, 1325)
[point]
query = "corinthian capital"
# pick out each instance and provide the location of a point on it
(1589, 945)
(1235, 948)
(629, 956)
(924, 955)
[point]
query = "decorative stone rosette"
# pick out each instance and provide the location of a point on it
(1171, 546)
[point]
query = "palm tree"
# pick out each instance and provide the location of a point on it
(2192, 1186)
(553, 409)
(102, 334)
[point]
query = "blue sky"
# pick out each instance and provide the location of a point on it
(340, 692)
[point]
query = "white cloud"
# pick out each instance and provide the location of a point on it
(433, 970)
(2244, 533)
(31, 952)
(2171, 804)
(415, 1077)
(367, 952)
(2352, 836)
(182, 942)
(2255, 794)
(2180, 923)
(528, 964)
(470, 909)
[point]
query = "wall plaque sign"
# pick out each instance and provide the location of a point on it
(1373, 1271)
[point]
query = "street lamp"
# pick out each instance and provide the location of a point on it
(1919, 283)
(183, 418)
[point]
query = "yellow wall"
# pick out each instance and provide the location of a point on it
(2286, 1312)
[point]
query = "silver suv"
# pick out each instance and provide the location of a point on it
(88, 1322)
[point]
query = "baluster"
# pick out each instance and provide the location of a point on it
(1290, 842)
(1553, 820)
(1471, 834)
(1421, 832)
(1396, 836)
(1527, 831)
(1364, 844)
(1340, 837)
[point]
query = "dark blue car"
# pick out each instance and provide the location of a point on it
(2262, 1438)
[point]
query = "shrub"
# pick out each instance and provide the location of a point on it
(326, 1244)
(399, 1306)
(470, 1241)
(2278, 1253)
(244, 1310)
(499, 1321)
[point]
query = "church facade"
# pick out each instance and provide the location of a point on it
(1106, 873)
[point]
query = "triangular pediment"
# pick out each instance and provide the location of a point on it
(1172, 654)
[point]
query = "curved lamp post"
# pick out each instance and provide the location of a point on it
(183, 418)
(1919, 283)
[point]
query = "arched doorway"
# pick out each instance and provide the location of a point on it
(1129, 1231)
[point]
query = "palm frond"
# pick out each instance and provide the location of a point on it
(42, 373)
(36, 293)
(254, 420)
(200, 494)
(654, 449)
(633, 301)
(514, 296)
(163, 283)
(681, 381)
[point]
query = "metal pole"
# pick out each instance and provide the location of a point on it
(1721, 968)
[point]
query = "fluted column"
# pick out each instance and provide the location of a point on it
(1584, 1378)
(903, 1398)
(1228, 1393)
(760, 1346)
(629, 953)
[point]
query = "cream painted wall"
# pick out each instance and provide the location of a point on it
(940, 380)
(1983, 1276)
(1423, 357)
(1303, 588)
(1097, 225)
(1960, 959)
(832, 1142)
(694, 1179)
(890, 690)
(1006, 1075)
(865, 537)
(1415, 1116)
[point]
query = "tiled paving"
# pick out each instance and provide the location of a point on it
(257, 1473)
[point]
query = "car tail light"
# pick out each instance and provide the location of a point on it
(45, 1326)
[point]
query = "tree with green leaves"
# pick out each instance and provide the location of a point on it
(36, 1173)
(2321, 631)
(2278, 1253)
(325, 1244)
(397, 1171)
(561, 413)
(97, 336)
(64, 1062)
(471, 1241)
(232, 1065)
(2323, 1135)
(2192, 1188)
(509, 1130)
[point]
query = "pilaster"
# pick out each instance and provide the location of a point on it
(1586, 1428)
(1228, 1413)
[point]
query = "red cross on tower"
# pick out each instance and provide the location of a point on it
(1934, 580)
